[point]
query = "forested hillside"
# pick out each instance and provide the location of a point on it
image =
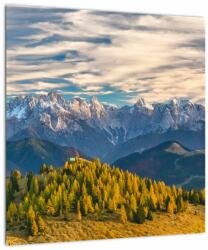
(83, 188)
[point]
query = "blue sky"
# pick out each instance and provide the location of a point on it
(118, 57)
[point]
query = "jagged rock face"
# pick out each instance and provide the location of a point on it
(95, 127)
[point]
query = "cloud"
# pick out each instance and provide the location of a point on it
(37, 87)
(117, 55)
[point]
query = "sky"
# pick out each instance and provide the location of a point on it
(117, 57)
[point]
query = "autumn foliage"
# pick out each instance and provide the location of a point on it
(90, 187)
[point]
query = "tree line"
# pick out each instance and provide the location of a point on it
(88, 187)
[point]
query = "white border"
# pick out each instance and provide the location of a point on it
(178, 7)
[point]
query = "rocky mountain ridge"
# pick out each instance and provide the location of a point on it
(85, 125)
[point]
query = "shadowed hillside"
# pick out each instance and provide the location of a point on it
(169, 161)
(28, 154)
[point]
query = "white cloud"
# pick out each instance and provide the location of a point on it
(38, 87)
(155, 48)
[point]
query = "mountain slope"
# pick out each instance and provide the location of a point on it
(84, 137)
(96, 128)
(29, 154)
(169, 161)
(190, 139)
(91, 200)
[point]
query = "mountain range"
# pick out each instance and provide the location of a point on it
(169, 161)
(105, 131)
(29, 154)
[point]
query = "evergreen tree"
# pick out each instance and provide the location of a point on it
(97, 209)
(133, 203)
(202, 196)
(31, 213)
(140, 215)
(33, 228)
(14, 180)
(30, 176)
(89, 204)
(50, 208)
(150, 215)
(9, 193)
(195, 198)
(153, 199)
(79, 214)
(180, 204)
(146, 211)
(170, 205)
(36, 186)
(112, 206)
(123, 216)
(41, 225)
(26, 203)
(31, 222)
(130, 214)
(11, 212)
(21, 211)
(43, 169)
(41, 204)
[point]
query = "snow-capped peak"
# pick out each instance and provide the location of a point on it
(18, 112)
(119, 124)
(79, 107)
(179, 102)
(95, 101)
(141, 103)
(55, 97)
(53, 94)
(96, 107)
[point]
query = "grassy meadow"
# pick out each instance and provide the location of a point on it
(108, 225)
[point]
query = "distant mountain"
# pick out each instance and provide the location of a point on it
(29, 154)
(190, 139)
(95, 128)
(169, 161)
